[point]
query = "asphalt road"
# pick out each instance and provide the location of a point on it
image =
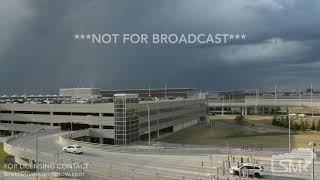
(195, 166)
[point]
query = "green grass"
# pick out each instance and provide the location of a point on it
(3, 156)
(244, 134)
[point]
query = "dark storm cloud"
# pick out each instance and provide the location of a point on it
(37, 49)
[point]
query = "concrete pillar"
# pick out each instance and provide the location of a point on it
(11, 132)
(51, 124)
(222, 111)
(100, 140)
(100, 114)
(51, 113)
(245, 111)
(242, 112)
(158, 134)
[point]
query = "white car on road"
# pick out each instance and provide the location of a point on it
(248, 168)
(75, 149)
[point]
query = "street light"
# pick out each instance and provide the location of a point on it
(71, 128)
(289, 119)
(149, 136)
(37, 163)
(312, 145)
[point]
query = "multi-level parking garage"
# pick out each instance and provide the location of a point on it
(125, 120)
(122, 122)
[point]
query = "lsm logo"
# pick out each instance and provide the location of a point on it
(297, 163)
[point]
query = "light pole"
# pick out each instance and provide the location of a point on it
(311, 98)
(228, 146)
(289, 119)
(300, 97)
(37, 169)
(71, 128)
(211, 167)
(222, 110)
(312, 145)
(37, 161)
(71, 123)
(275, 94)
(149, 129)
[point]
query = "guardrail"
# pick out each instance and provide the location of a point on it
(138, 148)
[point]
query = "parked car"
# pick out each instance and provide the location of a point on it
(301, 115)
(82, 101)
(250, 168)
(75, 149)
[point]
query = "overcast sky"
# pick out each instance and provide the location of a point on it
(38, 51)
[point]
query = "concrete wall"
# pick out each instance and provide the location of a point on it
(185, 125)
(80, 92)
(101, 133)
(24, 127)
(178, 114)
(91, 120)
(14, 114)
(83, 108)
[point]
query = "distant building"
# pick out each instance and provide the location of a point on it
(80, 92)
(160, 93)
(121, 122)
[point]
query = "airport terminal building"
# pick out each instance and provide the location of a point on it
(125, 120)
